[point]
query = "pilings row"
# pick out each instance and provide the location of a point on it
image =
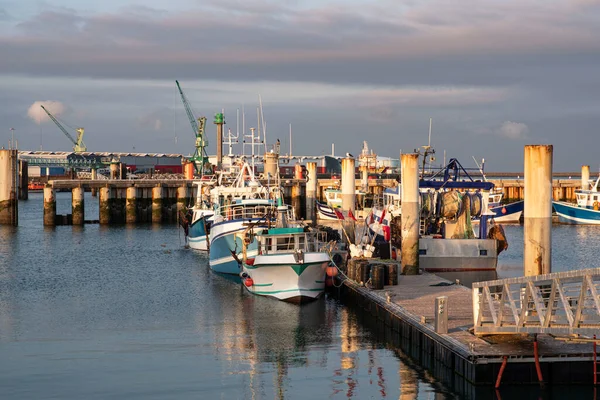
(121, 205)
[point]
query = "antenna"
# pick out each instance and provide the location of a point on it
(430, 123)
(480, 167)
(262, 115)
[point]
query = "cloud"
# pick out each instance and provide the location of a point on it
(513, 130)
(38, 115)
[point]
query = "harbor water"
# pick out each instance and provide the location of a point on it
(126, 312)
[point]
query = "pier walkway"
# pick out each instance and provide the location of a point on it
(408, 309)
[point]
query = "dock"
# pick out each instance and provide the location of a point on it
(459, 358)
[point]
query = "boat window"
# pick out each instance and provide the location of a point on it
(284, 243)
(238, 213)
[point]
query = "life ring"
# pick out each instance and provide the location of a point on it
(596, 206)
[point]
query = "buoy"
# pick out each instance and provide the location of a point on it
(394, 253)
(249, 261)
(331, 271)
(248, 282)
(503, 210)
(387, 233)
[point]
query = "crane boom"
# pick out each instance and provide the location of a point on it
(200, 156)
(78, 145)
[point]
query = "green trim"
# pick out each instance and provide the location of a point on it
(319, 281)
(263, 284)
(290, 290)
(281, 265)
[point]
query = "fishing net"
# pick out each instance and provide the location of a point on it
(464, 229)
(451, 204)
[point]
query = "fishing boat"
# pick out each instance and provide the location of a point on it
(197, 220)
(245, 202)
(449, 200)
(333, 200)
(290, 263)
(585, 212)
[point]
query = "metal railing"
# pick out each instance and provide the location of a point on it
(558, 303)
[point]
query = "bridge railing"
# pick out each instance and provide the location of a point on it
(559, 303)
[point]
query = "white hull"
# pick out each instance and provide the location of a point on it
(282, 277)
(452, 255)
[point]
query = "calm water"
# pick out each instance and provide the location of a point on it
(126, 312)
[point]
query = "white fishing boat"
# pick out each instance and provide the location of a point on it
(585, 212)
(197, 220)
(237, 205)
(448, 204)
(290, 263)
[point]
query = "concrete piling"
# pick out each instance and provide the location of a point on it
(271, 166)
(537, 255)
(114, 171)
(297, 190)
(157, 201)
(9, 212)
(131, 205)
(348, 184)
(410, 214)
(105, 205)
(585, 177)
(182, 198)
(49, 206)
(311, 192)
(77, 206)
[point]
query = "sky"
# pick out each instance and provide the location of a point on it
(494, 75)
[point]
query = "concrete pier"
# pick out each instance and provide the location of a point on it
(311, 192)
(131, 205)
(585, 177)
(77, 206)
(157, 201)
(410, 214)
(537, 255)
(348, 184)
(9, 213)
(49, 206)
(105, 206)
(364, 179)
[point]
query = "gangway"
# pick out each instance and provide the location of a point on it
(560, 303)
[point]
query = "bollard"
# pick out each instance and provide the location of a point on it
(410, 214)
(441, 314)
(311, 192)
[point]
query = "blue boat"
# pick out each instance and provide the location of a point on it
(585, 212)
(509, 212)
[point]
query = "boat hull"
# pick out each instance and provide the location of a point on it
(197, 237)
(454, 255)
(572, 214)
(508, 213)
(326, 212)
(282, 277)
(224, 244)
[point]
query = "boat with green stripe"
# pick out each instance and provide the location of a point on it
(290, 266)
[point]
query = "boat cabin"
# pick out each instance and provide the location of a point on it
(286, 240)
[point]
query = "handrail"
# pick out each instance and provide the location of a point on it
(558, 303)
